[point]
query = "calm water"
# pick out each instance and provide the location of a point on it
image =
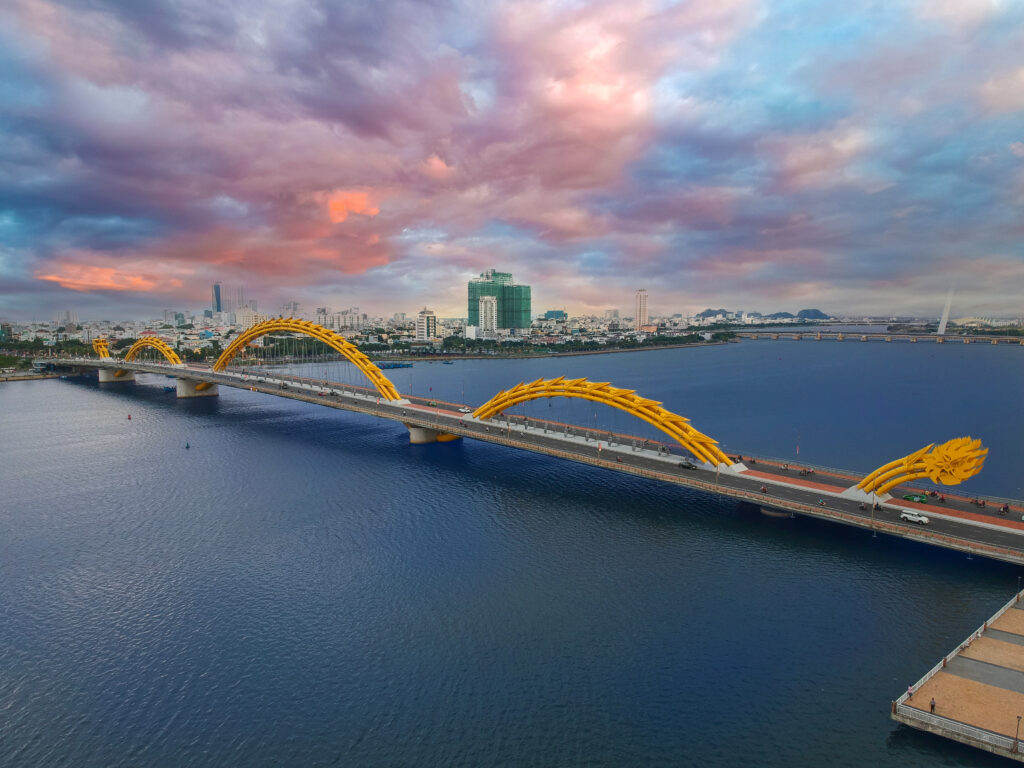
(303, 587)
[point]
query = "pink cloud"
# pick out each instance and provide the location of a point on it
(962, 15)
(820, 159)
(69, 272)
(341, 203)
(1005, 93)
(437, 169)
(80, 277)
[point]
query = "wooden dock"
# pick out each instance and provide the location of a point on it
(977, 689)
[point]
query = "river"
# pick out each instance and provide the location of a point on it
(301, 586)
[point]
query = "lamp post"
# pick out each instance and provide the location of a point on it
(1016, 737)
(874, 533)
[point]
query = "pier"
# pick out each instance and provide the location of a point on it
(977, 688)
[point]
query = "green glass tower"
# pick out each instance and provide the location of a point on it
(514, 303)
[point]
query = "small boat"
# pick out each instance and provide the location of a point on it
(170, 389)
(390, 366)
(447, 362)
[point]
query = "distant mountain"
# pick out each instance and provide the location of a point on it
(803, 314)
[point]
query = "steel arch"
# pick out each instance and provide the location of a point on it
(101, 348)
(153, 343)
(289, 324)
(675, 426)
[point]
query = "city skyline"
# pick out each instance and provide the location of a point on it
(753, 155)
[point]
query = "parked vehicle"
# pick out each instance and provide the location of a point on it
(465, 410)
(918, 497)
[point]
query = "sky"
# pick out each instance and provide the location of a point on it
(756, 155)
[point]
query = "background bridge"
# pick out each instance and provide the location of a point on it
(912, 338)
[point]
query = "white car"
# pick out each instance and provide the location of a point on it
(465, 410)
(913, 517)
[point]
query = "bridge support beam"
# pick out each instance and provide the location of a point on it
(107, 376)
(187, 388)
(420, 435)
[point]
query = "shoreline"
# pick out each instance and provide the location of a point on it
(30, 377)
(452, 358)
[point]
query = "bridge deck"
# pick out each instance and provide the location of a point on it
(977, 689)
(955, 524)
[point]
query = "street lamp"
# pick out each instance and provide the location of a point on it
(1016, 737)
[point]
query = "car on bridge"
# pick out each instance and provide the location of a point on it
(918, 497)
(465, 410)
(914, 517)
(687, 465)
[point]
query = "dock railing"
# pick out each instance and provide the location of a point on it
(971, 732)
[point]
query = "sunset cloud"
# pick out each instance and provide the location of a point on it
(81, 277)
(381, 153)
(341, 203)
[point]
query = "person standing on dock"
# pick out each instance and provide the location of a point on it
(932, 705)
(910, 691)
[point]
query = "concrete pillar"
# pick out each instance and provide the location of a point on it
(420, 435)
(187, 388)
(107, 376)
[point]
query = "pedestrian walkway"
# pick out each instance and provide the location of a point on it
(978, 690)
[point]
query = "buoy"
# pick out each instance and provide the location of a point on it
(186, 446)
(129, 417)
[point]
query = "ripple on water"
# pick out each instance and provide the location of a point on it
(302, 586)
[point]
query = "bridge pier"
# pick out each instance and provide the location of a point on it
(187, 388)
(420, 435)
(107, 376)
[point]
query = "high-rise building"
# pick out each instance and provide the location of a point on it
(640, 317)
(218, 305)
(426, 325)
(611, 314)
(488, 314)
(514, 301)
(68, 319)
(247, 317)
